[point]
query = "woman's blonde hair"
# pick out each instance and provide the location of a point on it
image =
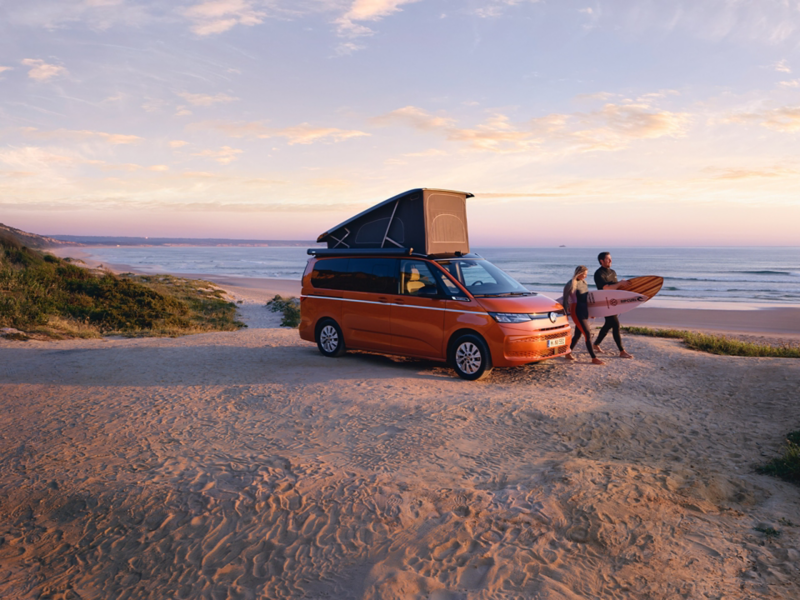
(573, 282)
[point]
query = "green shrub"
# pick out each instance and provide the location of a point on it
(42, 293)
(290, 307)
(786, 467)
(718, 344)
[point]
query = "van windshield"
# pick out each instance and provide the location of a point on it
(482, 278)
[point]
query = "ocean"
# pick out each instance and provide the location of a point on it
(709, 275)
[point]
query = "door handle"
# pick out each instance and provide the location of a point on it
(384, 300)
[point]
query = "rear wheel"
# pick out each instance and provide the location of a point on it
(330, 340)
(470, 357)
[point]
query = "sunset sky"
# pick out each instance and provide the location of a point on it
(624, 122)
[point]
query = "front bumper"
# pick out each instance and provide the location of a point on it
(523, 345)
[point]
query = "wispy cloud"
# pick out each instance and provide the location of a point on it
(782, 66)
(792, 83)
(490, 9)
(42, 71)
(177, 143)
(80, 135)
(223, 156)
(2, 69)
(96, 14)
(350, 24)
(417, 118)
(32, 158)
(218, 16)
(427, 153)
(610, 128)
(206, 99)
(750, 173)
(785, 119)
(304, 133)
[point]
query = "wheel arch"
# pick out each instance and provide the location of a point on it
(460, 332)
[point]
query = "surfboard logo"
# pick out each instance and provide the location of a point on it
(613, 302)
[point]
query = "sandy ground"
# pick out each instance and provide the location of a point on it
(247, 465)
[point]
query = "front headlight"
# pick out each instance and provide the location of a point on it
(510, 317)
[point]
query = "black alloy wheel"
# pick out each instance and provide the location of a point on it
(330, 340)
(470, 357)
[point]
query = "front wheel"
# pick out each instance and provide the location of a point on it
(470, 357)
(330, 340)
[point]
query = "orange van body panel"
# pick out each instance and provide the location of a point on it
(423, 327)
(418, 326)
(367, 321)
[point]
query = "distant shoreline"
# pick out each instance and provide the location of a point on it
(148, 242)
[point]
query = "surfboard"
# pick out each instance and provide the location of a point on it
(606, 303)
(648, 285)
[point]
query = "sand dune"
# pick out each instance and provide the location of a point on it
(246, 465)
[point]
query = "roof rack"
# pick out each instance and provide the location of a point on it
(328, 252)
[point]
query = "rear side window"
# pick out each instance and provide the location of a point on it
(331, 274)
(373, 275)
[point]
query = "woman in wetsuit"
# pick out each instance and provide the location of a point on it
(576, 304)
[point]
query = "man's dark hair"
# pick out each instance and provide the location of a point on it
(602, 256)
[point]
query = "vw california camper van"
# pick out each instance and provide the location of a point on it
(369, 290)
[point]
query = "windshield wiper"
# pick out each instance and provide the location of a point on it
(501, 294)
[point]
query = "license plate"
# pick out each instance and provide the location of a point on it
(556, 342)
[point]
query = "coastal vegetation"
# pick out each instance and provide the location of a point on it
(787, 467)
(45, 295)
(718, 344)
(290, 307)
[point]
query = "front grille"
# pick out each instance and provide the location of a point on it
(541, 338)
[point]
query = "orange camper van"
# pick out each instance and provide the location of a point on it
(399, 279)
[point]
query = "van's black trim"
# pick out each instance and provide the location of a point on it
(360, 251)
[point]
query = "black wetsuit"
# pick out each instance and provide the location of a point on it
(580, 314)
(603, 277)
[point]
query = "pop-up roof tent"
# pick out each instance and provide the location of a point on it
(432, 222)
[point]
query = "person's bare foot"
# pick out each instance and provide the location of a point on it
(570, 357)
(624, 354)
(597, 361)
(598, 350)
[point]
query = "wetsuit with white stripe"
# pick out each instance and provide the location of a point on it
(579, 311)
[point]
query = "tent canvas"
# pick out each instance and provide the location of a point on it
(429, 221)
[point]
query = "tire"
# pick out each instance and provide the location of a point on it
(330, 340)
(470, 357)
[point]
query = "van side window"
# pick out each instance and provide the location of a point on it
(416, 279)
(372, 275)
(449, 286)
(331, 274)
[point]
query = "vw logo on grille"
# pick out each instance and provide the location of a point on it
(553, 316)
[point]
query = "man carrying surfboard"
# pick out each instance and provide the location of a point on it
(606, 278)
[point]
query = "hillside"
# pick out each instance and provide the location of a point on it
(44, 296)
(31, 240)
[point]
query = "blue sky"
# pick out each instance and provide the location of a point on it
(611, 122)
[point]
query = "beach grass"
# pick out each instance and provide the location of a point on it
(43, 294)
(787, 467)
(290, 307)
(718, 344)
